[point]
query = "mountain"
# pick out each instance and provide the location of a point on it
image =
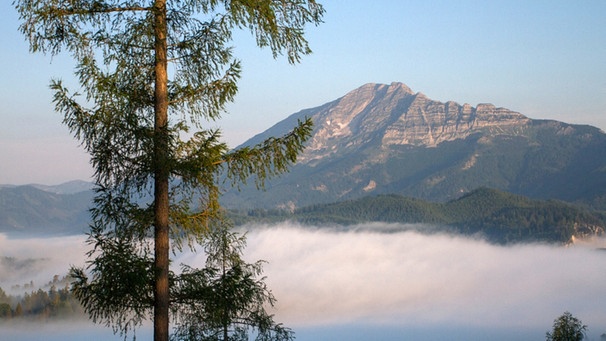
(31, 210)
(386, 139)
(498, 216)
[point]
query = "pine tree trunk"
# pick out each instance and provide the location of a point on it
(161, 176)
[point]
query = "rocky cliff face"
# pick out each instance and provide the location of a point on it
(394, 115)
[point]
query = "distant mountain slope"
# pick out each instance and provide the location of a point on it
(382, 139)
(30, 210)
(70, 187)
(498, 216)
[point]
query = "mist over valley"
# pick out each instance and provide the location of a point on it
(352, 284)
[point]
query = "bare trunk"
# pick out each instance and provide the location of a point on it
(161, 177)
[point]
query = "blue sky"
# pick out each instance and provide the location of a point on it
(545, 59)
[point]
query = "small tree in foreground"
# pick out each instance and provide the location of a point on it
(567, 328)
(230, 296)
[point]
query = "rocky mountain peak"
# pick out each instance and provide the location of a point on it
(394, 115)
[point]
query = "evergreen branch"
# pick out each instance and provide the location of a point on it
(223, 89)
(269, 158)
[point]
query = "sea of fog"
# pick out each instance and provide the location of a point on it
(365, 285)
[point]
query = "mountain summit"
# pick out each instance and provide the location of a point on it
(389, 115)
(383, 138)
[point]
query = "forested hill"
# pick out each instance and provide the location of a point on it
(498, 216)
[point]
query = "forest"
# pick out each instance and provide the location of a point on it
(54, 300)
(497, 216)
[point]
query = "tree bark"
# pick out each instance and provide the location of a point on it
(161, 176)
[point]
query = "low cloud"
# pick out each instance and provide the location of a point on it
(409, 278)
(38, 259)
(325, 278)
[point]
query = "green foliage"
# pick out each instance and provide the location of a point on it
(567, 328)
(5, 310)
(119, 289)
(135, 121)
(226, 298)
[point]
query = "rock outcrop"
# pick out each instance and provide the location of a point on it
(395, 115)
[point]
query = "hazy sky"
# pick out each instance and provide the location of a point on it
(390, 286)
(544, 59)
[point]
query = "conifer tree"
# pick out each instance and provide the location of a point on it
(230, 296)
(567, 328)
(152, 72)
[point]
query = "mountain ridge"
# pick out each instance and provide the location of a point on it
(28, 209)
(68, 187)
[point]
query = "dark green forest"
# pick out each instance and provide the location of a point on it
(497, 216)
